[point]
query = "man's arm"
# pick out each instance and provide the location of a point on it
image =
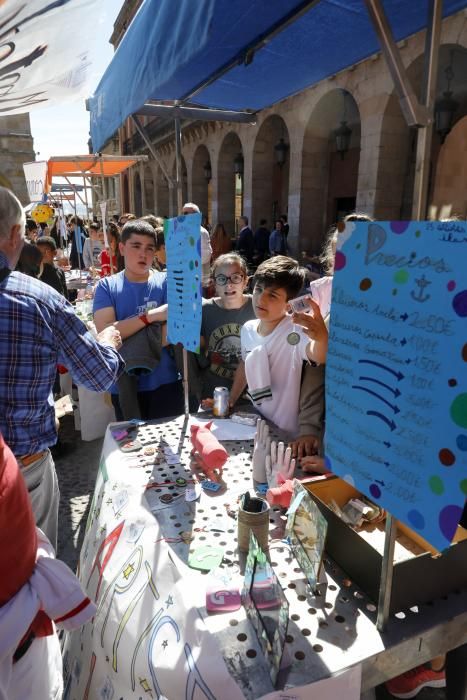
(93, 364)
(103, 318)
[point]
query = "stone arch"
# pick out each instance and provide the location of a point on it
(229, 185)
(398, 142)
(200, 186)
(270, 181)
(449, 196)
(138, 195)
(329, 181)
(149, 190)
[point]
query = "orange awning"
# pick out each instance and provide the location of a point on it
(90, 165)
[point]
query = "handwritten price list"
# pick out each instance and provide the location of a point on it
(396, 374)
(183, 246)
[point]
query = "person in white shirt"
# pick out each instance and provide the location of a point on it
(273, 346)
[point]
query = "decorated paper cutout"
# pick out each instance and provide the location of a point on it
(396, 387)
(183, 247)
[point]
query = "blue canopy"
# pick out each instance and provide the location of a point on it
(172, 48)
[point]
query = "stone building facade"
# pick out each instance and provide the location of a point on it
(16, 148)
(315, 185)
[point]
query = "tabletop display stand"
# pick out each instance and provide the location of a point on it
(132, 532)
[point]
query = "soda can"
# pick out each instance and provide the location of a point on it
(221, 402)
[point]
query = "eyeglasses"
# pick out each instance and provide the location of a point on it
(236, 278)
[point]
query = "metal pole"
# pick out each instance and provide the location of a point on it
(77, 231)
(86, 198)
(178, 171)
(425, 134)
(150, 147)
(387, 567)
(178, 164)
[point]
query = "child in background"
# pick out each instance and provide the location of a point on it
(113, 237)
(273, 347)
(93, 246)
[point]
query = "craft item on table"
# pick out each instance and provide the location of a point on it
(222, 598)
(306, 530)
(253, 516)
(181, 482)
(119, 434)
(205, 558)
(244, 418)
(266, 606)
(192, 493)
(280, 495)
(360, 511)
(209, 485)
(262, 448)
(208, 452)
(169, 497)
(279, 464)
(131, 446)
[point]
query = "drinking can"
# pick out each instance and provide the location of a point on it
(221, 402)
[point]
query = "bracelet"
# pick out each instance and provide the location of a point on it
(144, 319)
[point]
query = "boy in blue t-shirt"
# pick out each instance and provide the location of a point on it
(131, 300)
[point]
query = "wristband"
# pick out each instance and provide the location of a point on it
(144, 319)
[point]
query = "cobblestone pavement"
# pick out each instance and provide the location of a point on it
(77, 471)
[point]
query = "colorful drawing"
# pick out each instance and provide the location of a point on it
(266, 606)
(396, 379)
(306, 529)
(183, 246)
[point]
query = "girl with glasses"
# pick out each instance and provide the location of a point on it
(222, 319)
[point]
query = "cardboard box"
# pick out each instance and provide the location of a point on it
(421, 573)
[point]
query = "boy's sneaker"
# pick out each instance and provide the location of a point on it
(409, 684)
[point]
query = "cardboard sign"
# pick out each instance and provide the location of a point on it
(396, 373)
(183, 247)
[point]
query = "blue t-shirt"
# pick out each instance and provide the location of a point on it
(132, 299)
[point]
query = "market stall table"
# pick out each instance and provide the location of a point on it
(131, 529)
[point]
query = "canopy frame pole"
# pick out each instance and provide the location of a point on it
(86, 198)
(428, 97)
(142, 132)
(77, 230)
(75, 192)
(178, 185)
(414, 113)
(387, 568)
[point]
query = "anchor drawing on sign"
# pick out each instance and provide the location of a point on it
(421, 283)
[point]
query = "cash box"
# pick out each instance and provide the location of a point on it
(421, 574)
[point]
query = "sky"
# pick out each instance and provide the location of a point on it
(64, 130)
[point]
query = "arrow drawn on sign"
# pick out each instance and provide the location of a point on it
(399, 375)
(395, 392)
(392, 406)
(389, 423)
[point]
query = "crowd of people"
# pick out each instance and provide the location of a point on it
(252, 341)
